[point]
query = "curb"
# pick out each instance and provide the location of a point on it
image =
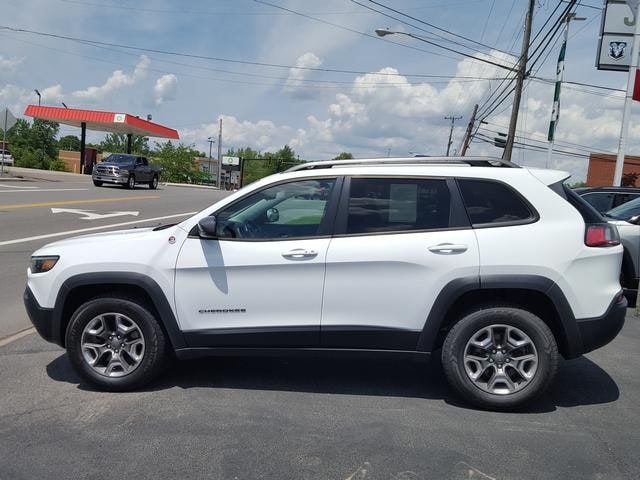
(191, 185)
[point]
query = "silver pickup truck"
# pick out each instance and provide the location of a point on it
(127, 170)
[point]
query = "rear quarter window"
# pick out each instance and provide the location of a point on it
(491, 203)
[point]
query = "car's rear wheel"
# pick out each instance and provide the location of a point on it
(97, 183)
(500, 358)
(116, 344)
(153, 184)
(131, 182)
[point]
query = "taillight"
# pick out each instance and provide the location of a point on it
(601, 235)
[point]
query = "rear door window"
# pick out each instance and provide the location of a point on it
(493, 203)
(397, 205)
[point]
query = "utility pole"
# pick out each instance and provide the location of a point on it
(211, 142)
(219, 154)
(520, 76)
(626, 113)
(467, 135)
(453, 121)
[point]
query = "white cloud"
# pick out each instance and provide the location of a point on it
(263, 135)
(296, 77)
(165, 88)
(9, 65)
(115, 82)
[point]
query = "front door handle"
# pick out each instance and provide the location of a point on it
(448, 248)
(300, 253)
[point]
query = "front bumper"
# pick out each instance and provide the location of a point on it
(42, 318)
(597, 332)
(109, 179)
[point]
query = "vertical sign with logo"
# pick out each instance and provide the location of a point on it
(616, 37)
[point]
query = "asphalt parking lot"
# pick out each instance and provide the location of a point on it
(49, 206)
(273, 418)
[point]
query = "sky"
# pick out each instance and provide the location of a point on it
(355, 91)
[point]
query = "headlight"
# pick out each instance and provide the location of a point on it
(43, 264)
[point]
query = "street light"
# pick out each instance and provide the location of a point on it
(383, 32)
(211, 142)
(37, 93)
(64, 105)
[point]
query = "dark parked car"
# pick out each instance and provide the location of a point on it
(604, 199)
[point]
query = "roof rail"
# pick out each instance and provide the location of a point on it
(471, 161)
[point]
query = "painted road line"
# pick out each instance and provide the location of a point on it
(76, 202)
(16, 336)
(93, 229)
(46, 190)
(19, 187)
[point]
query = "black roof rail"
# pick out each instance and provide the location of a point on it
(470, 161)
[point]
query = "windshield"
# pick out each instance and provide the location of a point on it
(119, 158)
(626, 210)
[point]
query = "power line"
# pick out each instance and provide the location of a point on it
(441, 37)
(431, 25)
(207, 57)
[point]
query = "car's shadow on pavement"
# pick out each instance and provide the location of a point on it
(579, 381)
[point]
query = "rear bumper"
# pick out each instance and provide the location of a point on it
(41, 318)
(597, 332)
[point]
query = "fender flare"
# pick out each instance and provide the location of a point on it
(149, 285)
(457, 288)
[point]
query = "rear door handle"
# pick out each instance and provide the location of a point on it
(448, 248)
(300, 253)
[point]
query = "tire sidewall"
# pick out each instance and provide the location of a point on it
(153, 337)
(536, 330)
(131, 182)
(154, 183)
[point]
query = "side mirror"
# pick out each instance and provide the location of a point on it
(273, 215)
(635, 220)
(207, 227)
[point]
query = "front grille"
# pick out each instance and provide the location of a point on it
(103, 170)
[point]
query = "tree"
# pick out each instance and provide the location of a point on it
(117, 143)
(344, 156)
(177, 162)
(629, 179)
(34, 145)
(69, 142)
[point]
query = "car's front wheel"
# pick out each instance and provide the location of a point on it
(116, 344)
(500, 358)
(131, 182)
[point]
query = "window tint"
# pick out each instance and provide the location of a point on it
(626, 210)
(601, 201)
(288, 210)
(492, 202)
(396, 204)
(622, 198)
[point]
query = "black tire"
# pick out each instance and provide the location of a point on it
(453, 352)
(156, 346)
(131, 182)
(153, 184)
(97, 184)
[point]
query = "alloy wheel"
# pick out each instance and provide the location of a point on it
(500, 359)
(112, 344)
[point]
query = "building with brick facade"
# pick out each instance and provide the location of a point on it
(602, 166)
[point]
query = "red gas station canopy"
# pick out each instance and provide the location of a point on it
(102, 121)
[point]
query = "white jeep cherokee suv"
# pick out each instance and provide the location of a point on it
(498, 269)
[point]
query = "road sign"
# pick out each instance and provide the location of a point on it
(616, 37)
(7, 120)
(90, 215)
(234, 161)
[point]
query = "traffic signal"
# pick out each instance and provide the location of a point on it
(501, 140)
